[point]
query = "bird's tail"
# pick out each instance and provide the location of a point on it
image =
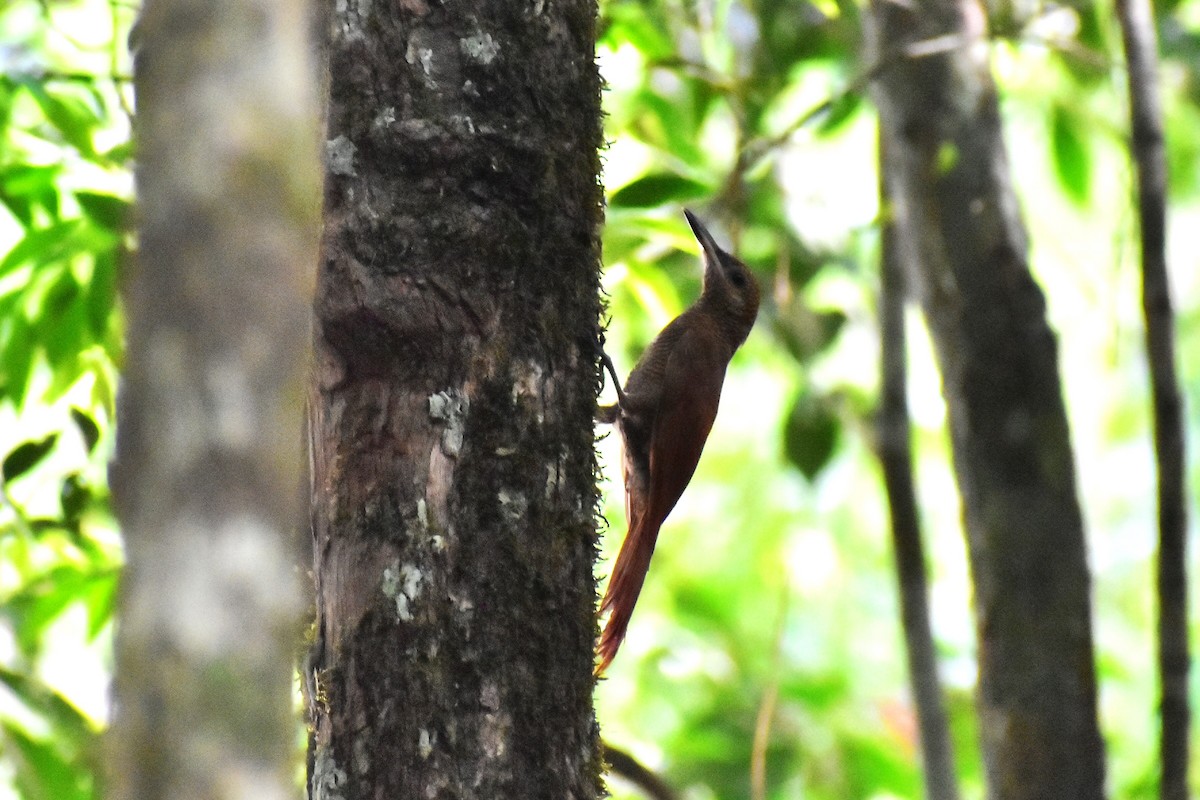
(625, 585)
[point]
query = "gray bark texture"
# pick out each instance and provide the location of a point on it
(208, 474)
(964, 250)
(456, 344)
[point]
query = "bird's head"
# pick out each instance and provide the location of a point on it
(729, 287)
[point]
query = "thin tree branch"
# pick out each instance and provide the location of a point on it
(1149, 154)
(626, 766)
(766, 708)
(894, 447)
(50, 75)
(761, 148)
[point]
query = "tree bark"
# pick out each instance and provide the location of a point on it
(1149, 153)
(207, 480)
(895, 457)
(453, 495)
(964, 249)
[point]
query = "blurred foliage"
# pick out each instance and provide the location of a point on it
(773, 576)
(753, 112)
(65, 196)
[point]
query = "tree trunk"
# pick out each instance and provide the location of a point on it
(207, 480)
(895, 457)
(1150, 155)
(453, 495)
(964, 249)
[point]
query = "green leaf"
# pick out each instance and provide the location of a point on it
(805, 332)
(1183, 150)
(106, 210)
(810, 434)
(39, 603)
(47, 245)
(62, 323)
(657, 189)
(70, 726)
(841, 110)
(42, 772)
(16, 355)
(75, 497)
(631, 23)
(26, 456)
(874, 764)
(671, 124)
(1093, 24)
(58, 766)
(70, 115)
(823, 692)
(87, 428)
(947, 157)
(119, 154)
(1072, 158)
(101, 600)
(102, 293)
(25, 188)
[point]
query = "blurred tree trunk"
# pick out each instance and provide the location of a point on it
(895, 457)
(453, 493)
(964, 250)
(1150, 156)
(207, 479)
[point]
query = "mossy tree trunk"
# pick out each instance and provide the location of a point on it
(453, 495)
(963, 245)
(207, 479)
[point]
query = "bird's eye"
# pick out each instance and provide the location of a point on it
(738, 280)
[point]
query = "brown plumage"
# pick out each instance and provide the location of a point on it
(664, 415)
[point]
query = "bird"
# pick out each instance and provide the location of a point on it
(663, 416)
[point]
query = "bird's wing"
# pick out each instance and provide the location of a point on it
(691, 391)
(690, 395)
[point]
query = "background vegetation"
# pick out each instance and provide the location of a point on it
(65, 189)
(771, 603)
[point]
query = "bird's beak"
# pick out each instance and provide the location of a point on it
(708, 245)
